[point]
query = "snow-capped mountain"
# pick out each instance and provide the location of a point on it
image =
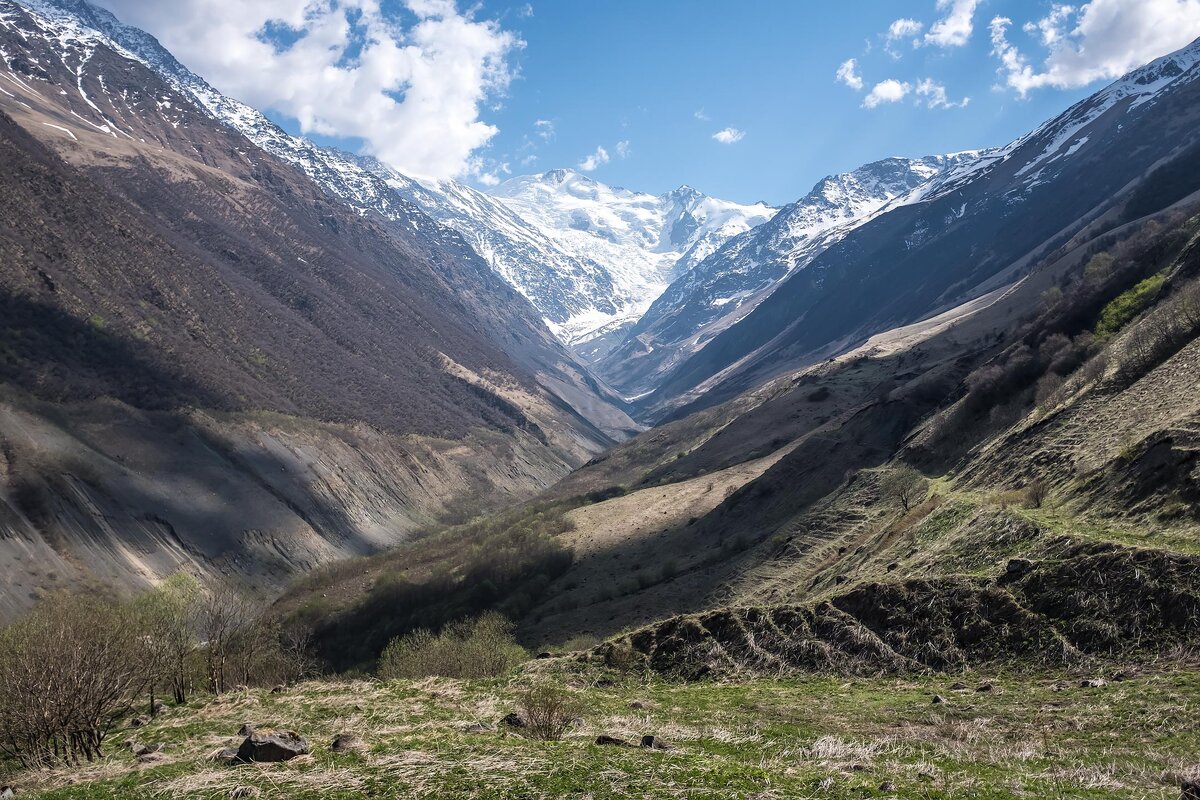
(979, 226)
(727, 284)
(643, 241)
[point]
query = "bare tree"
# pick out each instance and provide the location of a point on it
(904, 484)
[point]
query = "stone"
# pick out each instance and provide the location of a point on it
(1092, 683)
(479, 727)
(226, 755)
(611, 741)
(278, 689)
(246, 730)
(984, 687)
(147, 749)
(638, 705)
(958, 686)
(7, 792)
(887, 786)
(938, 699)
(348, 743)
(151, 758)
(858, 768)
(272, 746)
(652, 742)
(514, 720)
(244, 792)
(1016, 567)
(138, 722)
(545, 654)
(892, 567)
(1190, 790)
(157, 708)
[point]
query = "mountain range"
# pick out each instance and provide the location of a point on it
(229, 350)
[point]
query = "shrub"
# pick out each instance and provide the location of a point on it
(1036, 492)
(480, 648)
(1117, 314)
(70, 670)
(548, 712)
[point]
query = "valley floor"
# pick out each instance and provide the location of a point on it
(1035, 735)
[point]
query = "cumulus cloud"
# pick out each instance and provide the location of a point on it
(729, 135)
(847, 73)
(933, 95)
(594, 160)
(1110, 38)
(623, 149)
(412, 91)
(955, 28)
(888, 91)
(544, 128)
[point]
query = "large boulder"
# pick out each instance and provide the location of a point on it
(272, 746)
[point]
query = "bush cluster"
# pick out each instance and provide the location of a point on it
(483, 647)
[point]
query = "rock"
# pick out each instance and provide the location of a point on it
(226, 755)
(938, 699)
(984, 687)
(887, 786)
(575, 722)
(278, 689)
(611, 741)
(138, 722)
(348, 743)
(1129, 673)
(545, 655)
(605, 683)
(1190, 790)
(246, 730)
(479, 727)
(892, 567)
(1016, 567)
(858, 768)
(245, 791)
(652, 742)
(639, 705)
(272, 746)
(150, 758)
(157, 708)
(7, 792)
(147, 749)
(958, 686)
(840, 579)
(131, 745)
(514, 720)
(1092, 683)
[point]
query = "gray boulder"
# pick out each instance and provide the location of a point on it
(272, 746)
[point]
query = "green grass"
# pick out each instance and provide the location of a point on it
(822, 737)
(1121, 311)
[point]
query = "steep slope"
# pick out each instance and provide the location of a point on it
(209, 363)
(728, 284)
(979, 227)
(643, 241)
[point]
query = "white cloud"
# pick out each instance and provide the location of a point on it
(529, 159)
(700, 115)
(594, 160)
(729, 135)
(544, 128)
(903, 28)
(1110, 38)
(934, 95)
(847, 73)
(888, 91)
(623, 149)
(955, 28)
(1050, 28)
(413, 93)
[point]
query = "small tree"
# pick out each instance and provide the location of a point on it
(166, 619)
(905, 485)
(479, 648)
(225, 624)
(548, 711)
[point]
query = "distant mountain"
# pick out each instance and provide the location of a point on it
(726, 285)
(641, 241)
(226, 351)
(979, 226)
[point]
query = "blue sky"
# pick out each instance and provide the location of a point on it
(486, 91)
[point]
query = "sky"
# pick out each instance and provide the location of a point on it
(754, 100)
